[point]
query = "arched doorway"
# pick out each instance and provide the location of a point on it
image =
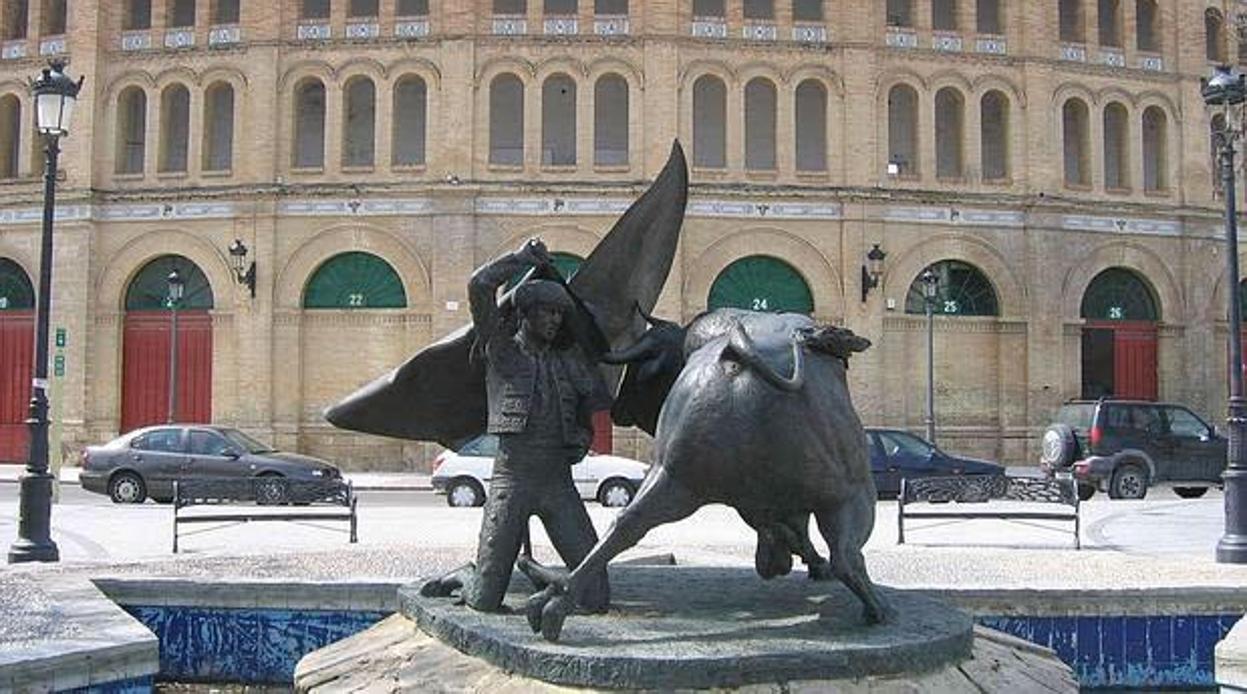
(761, 283)
(17, 344)
(1120, 314)
(147, 340)
(962, 291)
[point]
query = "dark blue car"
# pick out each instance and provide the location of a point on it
(897, 454)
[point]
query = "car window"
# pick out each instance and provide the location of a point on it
(1117, 418)
(481, 447)
(1146, 419)
(1183, 423)
(160, 440)
(895, 442)
(1076, 416)
(245, 442)
(208, 443)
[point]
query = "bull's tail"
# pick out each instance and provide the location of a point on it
(740, 347)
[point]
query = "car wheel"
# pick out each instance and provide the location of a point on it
(127, 488)
(1129, 482)
(1085, 491)
(616, 493)
(1190, 492)
(271, 490)
(465, 493)
(1058, 447)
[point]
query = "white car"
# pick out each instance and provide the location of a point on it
(464, 476)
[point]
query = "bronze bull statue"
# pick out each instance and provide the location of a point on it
(751, 410)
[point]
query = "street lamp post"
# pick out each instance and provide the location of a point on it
(1227, 89)
(55, 96)
(930, 287)
(177, 286)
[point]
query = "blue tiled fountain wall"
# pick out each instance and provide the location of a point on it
(242, 645)
(252, 646)
(1154, 651)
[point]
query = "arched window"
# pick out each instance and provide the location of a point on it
(610, 121)
(1119, 294)
(131, 130)
(558, 121)
(54, 18)
(354, 280)
(1155, 149)
(760, 124)
(175, 127)
(1073, 28)
(409, 119)
(900, 13)
(314, 9)
(16, 16)
(944, 15)
(149, 290)
(761, 283)
(987, 17)
(359, 122)
(903, 128)
(1077, 142)
(962, 290)
(1116, 147)
(225, 11)
(949, 129)
(1147, 25)
(218, 129)
(181, 13)
(506, 120)
(709, 122)
(138, 15)
(811, 121)
(16, 291)
(309, 124)
(1214, 35)
(994, 135)
(10, 136)
(1110, 22)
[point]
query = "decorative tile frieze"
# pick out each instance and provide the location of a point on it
(1154, 63)
(363, 30)
(12, 50)
(1120, 225)
(510, 25)
(314, 32)
(411, 28)
(134, 41)
(34, 215)
(950, 43)
(179, 38)
(760, 32)
(995, 45)
(607, 25)
(761, 210)
(353, 207)
(709, 28)
(561, 26)
(955, 215)
(901, 38)
(185, 210)
(809, 33)
(1074, 51)
(224, 35)
(551, 206)
(1113, 58)
(53, 46)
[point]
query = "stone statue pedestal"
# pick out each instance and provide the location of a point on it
(688, 628)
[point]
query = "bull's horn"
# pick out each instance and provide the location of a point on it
(740, 345)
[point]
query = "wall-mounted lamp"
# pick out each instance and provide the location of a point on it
(244, 272)
(872, 270)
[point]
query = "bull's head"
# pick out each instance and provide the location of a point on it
(654, 362)
(838, 342)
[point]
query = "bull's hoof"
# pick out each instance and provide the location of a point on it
(446, 586)
(877, 614)
(535, 606)
(552, 617)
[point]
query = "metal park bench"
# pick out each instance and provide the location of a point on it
(968, 497)
(258, 499)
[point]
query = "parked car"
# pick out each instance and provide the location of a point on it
(463, 476)
(145, 462)
(897, 455)
(1124, 447)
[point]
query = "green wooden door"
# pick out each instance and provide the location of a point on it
(354, 280)
(761, 283)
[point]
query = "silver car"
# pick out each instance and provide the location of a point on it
(145, 462)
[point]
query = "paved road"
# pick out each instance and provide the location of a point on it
(90, 528)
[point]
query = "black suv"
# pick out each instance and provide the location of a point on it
(1125, 446)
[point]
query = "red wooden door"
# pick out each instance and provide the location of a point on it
(1134, 361)
(17, 346)
(145, 368)
(603, 434)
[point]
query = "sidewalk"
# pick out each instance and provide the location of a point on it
(364, 481)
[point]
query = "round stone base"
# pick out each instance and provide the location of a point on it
(699, 627)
